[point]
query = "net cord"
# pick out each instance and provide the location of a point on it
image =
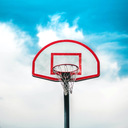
(66, 74)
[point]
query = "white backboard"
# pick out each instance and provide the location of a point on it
(66, 52)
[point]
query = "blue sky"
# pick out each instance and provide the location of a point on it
(27, 26)
(95, 16)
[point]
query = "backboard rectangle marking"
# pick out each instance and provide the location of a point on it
(79, 55)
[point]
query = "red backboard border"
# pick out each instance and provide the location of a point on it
(55, 79)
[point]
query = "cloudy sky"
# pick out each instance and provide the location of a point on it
(26, 26)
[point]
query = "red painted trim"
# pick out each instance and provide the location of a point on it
(45, 77)
(52, 54)
(80, 64)
(65, 54)
(55, 79)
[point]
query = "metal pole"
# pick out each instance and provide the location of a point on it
(66, 111)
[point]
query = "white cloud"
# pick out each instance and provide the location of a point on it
(22, 97)
(30, 102)
(100, 103)
(105, 37)
(13, 53)
(46, 36)
(56, 30)
(109, 66)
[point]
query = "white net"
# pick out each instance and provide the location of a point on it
(66, 74)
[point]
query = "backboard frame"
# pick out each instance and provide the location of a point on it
(53, 54)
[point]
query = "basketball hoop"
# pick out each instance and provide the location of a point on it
(66, 74)
(61, 61)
